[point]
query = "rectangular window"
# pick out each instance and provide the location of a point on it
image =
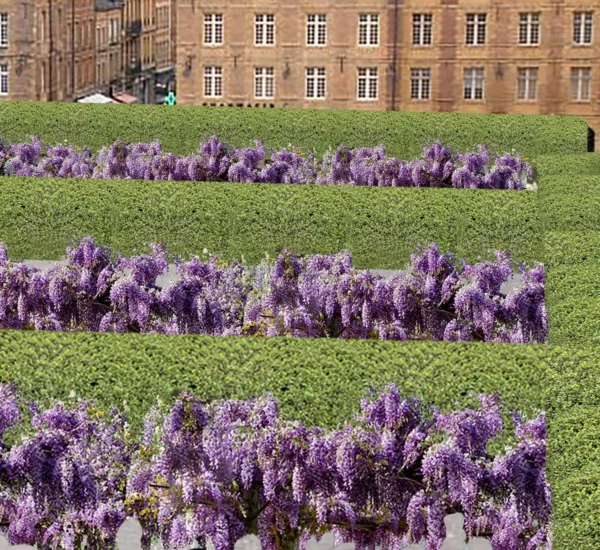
(3, 79)
(529, 29)
(422, 29)
(213, 29)
(527, 83)
(264, 33)
(420, 83)
(213, 81)
(583, 23)
(316, 83)
(3, 30)
(474, 83)
(316, 30)
(476, 23)
(264, 82)
(580, 83)
(368, 29)
(367, 83)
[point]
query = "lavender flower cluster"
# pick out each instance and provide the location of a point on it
(216, 161)
(226, 469)
(316, 296)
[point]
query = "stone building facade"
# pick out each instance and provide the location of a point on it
(164, 47)
(63, 50)
(80, 47)
(108, 46)
(497, 56)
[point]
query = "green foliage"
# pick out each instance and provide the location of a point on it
(573, 406)
(572, 259)
(380, 226)
(318, 381)
(571, 248)
(570, 202)
(181, 129)
(586, 164)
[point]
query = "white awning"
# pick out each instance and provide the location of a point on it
(96, 98)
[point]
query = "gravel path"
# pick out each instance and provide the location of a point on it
(129, 536)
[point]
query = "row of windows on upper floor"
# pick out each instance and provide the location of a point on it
(83, 31)
(476, 24)
(367, 83)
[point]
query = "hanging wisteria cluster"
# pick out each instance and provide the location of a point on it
(316, 296)
(216, 161)
(227, 469)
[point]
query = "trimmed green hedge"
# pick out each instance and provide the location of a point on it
(181, 128)
(318, 381)
(570, 202)
(573, 411)
(587, 164)
(572, 261)
(380, 226)
(571, 248)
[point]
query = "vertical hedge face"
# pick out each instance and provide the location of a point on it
(381, 227)
(181, 129)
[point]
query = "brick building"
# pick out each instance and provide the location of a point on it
(108, 46)
(32, 57)
(80, 47)
(444, 55)
(164, 49)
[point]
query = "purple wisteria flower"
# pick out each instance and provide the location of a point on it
(228, 469)
(438, 166)
(434, 298)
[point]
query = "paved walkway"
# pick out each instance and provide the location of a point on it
(130, 533)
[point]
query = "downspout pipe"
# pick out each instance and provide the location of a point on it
(395, 55)
(51, 51)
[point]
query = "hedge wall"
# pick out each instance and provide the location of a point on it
(556, 165)
(570, 202)
(572, 260)
(574, 445)
(181, 128)
(317, 381)
(380, 226)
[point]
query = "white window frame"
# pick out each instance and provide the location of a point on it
(421, 23)
(422, 77)
(264, 29)
(213, 29)
(528, 83)
(472, 77)
(3, 30)
(368, 30)
(581, 75)
(316, 80)
(527, 23)
(475, 22)
(316, 30)
(213, 81)
(4, 79)
(583, 21)
(367, 88)
(264, 82)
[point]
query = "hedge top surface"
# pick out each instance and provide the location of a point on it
(181, 128)
(586, 164)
